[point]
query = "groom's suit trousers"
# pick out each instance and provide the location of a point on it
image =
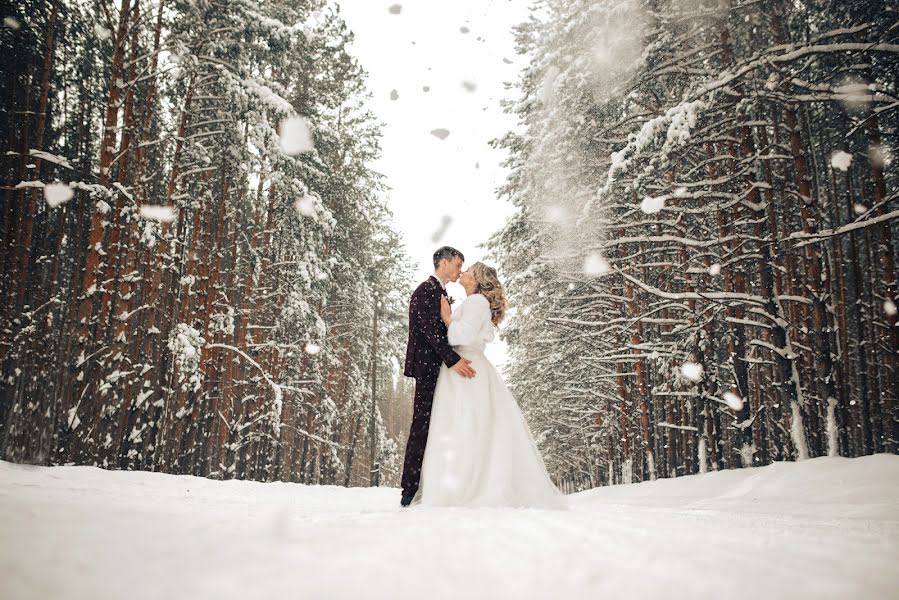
(418, 434)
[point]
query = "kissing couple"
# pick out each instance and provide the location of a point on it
(469, 444)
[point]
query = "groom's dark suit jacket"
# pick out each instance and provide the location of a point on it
(428, 346)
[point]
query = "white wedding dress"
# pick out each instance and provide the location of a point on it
(480, 451)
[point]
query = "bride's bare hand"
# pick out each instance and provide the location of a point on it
(463, 368)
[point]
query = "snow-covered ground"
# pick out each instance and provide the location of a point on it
(823, 528)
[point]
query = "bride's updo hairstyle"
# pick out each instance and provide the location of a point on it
(490, 287)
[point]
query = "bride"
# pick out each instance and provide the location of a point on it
(480, 451)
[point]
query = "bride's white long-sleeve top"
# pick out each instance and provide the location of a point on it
(471, 324)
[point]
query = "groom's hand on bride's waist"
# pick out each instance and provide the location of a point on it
(463, 368)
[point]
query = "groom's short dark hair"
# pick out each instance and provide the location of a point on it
(447, 252)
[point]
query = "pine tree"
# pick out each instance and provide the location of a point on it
(692, 293)
(199, 295)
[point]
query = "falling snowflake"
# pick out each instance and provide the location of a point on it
(507, 61)
(889, 307)
(733, 401)
(555, 213)
(305, 206)
(650, 205)
(152, 212)
(101, 32)
(464, 29)
(445, 222)
(57, 193)
(12, 23)
(856, 94)
(547, 93)
(595, 265)
(715, 270)
(859, 208)
(469, 86)
(426, 88)
(395, 9)
(680, 192)
(692, 371)
(295, 135)
(840, 160)
(312, 348)
(394, 95)
(440, 133)
(879, 155)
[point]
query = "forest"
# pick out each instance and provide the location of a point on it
(199, 273)
(703, 263)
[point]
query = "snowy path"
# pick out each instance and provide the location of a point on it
(825, 528)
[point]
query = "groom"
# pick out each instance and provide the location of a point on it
(428, 347)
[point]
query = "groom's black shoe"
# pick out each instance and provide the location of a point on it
(406, 501)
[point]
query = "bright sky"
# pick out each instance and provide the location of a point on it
(442, 191)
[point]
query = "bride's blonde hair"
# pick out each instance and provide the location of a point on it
(490, 287)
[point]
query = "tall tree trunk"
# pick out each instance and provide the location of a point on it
(639, 367)
(120, 235)
(625, 450)
(886, 252)
(28, 215)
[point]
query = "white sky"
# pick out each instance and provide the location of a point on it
(432, 179)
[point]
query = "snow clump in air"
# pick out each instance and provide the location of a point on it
(889, 307)
(595, 265)
(547, 93)
(555, 213)
(733, 401)
(445, 222)
(650, 205)
(692, 371)
(296, 137)
(305, 206)
(57, 193)
(840, 160)
(879, 155)
(152, 212)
